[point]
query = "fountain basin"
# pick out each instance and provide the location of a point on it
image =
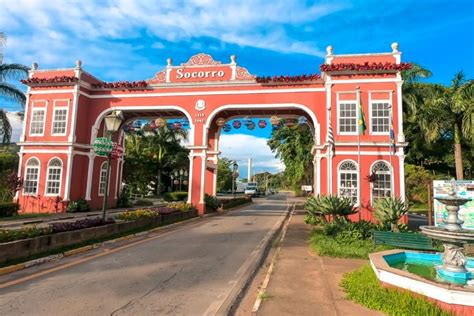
(416, 274)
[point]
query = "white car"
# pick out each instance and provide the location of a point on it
(251, 189)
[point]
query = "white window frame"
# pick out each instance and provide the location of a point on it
(391, 178)
(62, 107)
(338, 116)
(33, 110)
(37, 180)
(100, 179)
(60, 177)
(339, 178)
(371, 102)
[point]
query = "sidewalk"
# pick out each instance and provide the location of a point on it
(303, 283)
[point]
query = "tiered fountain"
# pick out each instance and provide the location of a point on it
(444, 278)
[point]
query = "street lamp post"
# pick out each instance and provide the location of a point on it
(181, 173)
(112, 125)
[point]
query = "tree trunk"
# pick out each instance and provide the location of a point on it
(458, 152)
(158, 182)
(394, 227)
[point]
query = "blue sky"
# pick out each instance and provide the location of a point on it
(130, 40)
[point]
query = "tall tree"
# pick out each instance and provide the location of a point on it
(7, 90)
(293, 146)
(224, 174)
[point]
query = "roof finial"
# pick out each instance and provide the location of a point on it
(394, 47)
(34, 66)
(169, 62)
(329, 50)
(232, 59)
(78, 63)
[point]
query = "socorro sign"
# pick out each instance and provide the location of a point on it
(181, 73)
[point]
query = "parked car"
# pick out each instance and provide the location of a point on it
(251, 189)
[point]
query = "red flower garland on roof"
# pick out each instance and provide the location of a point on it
(365, 67)
(288, 79)
(121, 85)
(57, 79)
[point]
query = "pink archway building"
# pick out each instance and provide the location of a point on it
(65, 113)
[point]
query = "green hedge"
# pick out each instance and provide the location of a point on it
(175, 196)
(143, 202)
(363, 287)
(7, 235)
(8, 209)
(80, 205)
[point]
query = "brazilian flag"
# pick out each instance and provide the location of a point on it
(362, 126)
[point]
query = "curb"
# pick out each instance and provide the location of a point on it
(239, 289)
(34, 262)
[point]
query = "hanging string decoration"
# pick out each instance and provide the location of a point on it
(262, 123)
(227, 128)
(236, 124)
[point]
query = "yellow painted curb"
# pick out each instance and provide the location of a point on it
(124, 238)
(12, 268)
(78, 250)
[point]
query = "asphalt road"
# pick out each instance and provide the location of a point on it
(190, 271)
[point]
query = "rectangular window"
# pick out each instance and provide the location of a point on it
(37, 122)
(380, 117)
(347, 120)
(54, 181)
(59, 121)
(103, 179)
(31, 180)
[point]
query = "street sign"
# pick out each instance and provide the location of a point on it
(464, 188)
(103, 146)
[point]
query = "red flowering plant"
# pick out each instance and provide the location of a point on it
(288, 79)
(58, 80)
(341, 67)
(15, 183)
(125, 85)
(371, 177)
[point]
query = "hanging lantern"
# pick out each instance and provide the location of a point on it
(302, 120)
(220, 121)
(251, 126)
(236, 124)
(160, 122)
(274, 120)
(227, 128)
(262, 123)
(177, 125)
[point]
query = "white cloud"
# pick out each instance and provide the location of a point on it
(241, 147)
(54, 32)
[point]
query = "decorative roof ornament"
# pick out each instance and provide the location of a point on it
(78, 63)
(329, 50)
(394, 47)
(243, 74)
(201, 59)
(159, 77)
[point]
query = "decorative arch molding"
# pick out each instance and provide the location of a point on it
(100, 117)
(311, 114)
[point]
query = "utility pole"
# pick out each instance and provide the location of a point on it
(249, 171)
(2, 41)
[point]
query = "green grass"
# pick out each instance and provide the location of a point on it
(362, 287)
(24, 216)
(328, 246)
(265, 296)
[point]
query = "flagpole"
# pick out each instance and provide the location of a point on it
(391, 144)
(358, 155)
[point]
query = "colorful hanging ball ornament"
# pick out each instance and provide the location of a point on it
(289, 123)
(274, 120)
(220, 121)
(126, 128)
(262, 123)
(160, 122)
(185, 123)
(177, 125)
(251, 126)
(152, 125)
(170, 125)
(302, 120)
(227, 128)
(246, 120)
(236, 124)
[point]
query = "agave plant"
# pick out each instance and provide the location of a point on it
(389, 210)
(330, 206)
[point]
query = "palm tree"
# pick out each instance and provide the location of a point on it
(446, 112)
(9, 91)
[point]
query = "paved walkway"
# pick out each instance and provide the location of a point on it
(303, 283)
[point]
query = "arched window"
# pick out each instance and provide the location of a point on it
(30, 185)
(53, 177)
(348, 180)
(383, 180)
(102, 178)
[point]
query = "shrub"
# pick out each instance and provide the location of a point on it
(8, 209)
(363, 287)
(7, 235)
(136, 215)
(124, 200)
(175, 196)
(80, 205)
(182, 206)
(143, 202)
(388, 211)
(417, 179)
(319, 208)
(226, 204)
(79, 224)
(212, 203)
